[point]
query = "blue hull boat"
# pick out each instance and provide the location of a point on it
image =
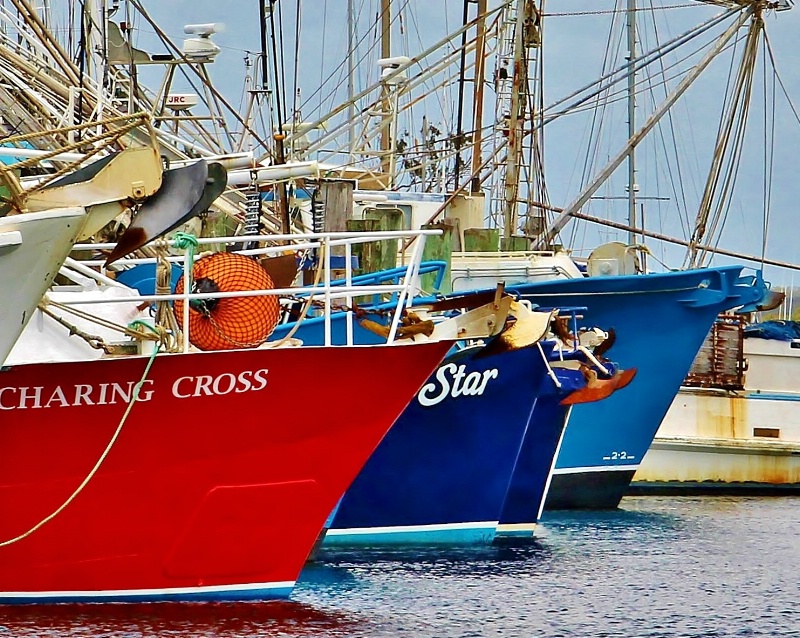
(530, 480)
(443, 470)
(660, 321)
(470, 458)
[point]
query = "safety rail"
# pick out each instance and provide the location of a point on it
(325, 287)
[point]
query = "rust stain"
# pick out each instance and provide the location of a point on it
(720, 361)
(740, 419)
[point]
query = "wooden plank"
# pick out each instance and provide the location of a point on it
(483, 240)
(455, 223)
(438, 248)
(337, 198)
(515, 244)
(377, 255)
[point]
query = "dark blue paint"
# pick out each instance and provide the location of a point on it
(451, 463)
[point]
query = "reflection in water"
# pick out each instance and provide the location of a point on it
(176, 619)
(659, 567)
(474, 559)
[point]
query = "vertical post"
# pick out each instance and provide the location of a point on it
(480, 72)
(631, 28)
(188, 265)
(392, 137)
(460, 105)
(351, 107)
(279, 136)
(348, 257)
(326, 245)
(439, 248)
(403, 297)
(519, 84)
(337, 199)
(386, 52)
(412, 274)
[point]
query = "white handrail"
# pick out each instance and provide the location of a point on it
(311, 241)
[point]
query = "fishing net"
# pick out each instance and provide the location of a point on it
(777, 330)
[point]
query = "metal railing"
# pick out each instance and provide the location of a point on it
(405, 285)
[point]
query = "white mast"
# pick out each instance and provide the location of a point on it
(351, 107)
(632, 187)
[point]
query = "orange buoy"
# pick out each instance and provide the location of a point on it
(233, 322)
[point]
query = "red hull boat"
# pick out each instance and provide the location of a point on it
(218, 483)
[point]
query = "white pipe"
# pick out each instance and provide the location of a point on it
(366, 196)
(230, 162)
(27, 153)
(327, 247)
(550, 372)
(280, 172)
(233, 161)
(338, 238)
(348, 256)
(83, 269)
(332, 292)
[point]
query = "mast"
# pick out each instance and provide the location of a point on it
(386, 52)
(351, 107)
(480, 72)
(730, 138)
(632, 187)
(459, 141)
(515, 119)
(280, 153)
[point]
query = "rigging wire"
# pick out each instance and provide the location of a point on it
(678, 190)
(322, 47)
(769, 151)
(736, 122)
(779, 79)
(644, 61)
(370, 49)
(296, 87)
(278, 85)
(570, 14)
(282, 77)
(595, 127)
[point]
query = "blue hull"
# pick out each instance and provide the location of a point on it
(442, 472)
(660, 322)
(530, 480)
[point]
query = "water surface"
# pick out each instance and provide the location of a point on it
(659, 566)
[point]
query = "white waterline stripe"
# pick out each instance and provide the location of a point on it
(516, 527)
(552, 471)
(168, 591)
(410, 528)
(595, 468)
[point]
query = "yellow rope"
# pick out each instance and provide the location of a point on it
(97, 465)
(100, 321)
(165, 318)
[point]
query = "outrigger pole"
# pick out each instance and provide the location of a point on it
(564, 217)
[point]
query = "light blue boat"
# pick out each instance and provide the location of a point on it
(660, 322)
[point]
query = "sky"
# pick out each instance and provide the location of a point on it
(576, 32)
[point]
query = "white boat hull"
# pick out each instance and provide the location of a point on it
(32, 248)
(713, 440)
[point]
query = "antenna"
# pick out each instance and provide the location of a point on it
(201, 48)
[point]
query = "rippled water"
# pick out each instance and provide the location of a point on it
(656, 567)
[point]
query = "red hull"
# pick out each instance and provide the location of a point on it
(219, 495)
